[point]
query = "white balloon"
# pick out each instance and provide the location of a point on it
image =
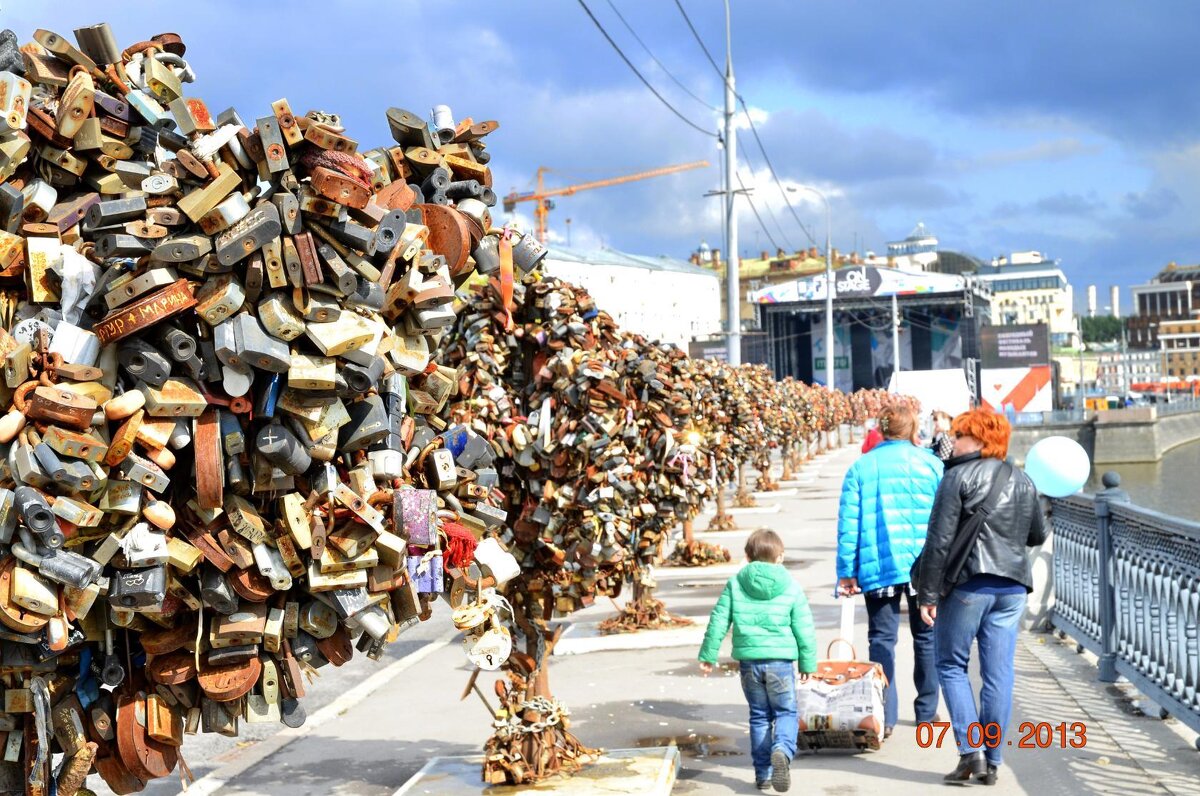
(1058, 466)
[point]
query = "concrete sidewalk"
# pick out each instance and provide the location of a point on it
(653, 696)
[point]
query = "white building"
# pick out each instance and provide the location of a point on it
(1117, 372)
(1115, 300)
(1031, 292)
(915, 253)
(658, 297)
(1091, 298)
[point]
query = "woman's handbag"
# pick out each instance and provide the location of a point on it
(968, 534)
(841, 705)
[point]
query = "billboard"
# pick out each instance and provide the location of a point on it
(861, 281)
(1016, 373)
(1018, 346)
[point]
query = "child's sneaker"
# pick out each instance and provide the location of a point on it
(781, 775)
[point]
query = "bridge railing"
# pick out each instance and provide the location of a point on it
(1127, 587)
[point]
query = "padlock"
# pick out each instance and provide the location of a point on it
(256, 348)
(248, 235)
(280, 317)
(309, 372)
(219, 717)
(34, 511)
(219, 298)
(414, 515)
(368, 423)
(139, 589)
(439, 470)
(144, 362)
(264, 707)
(216, 592)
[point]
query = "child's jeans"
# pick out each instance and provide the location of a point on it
(770, 689)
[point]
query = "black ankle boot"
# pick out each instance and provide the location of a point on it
(969, 765)
(990, 777)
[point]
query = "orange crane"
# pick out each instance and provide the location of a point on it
(541, 197)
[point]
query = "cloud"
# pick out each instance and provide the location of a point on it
(1053, 150)
(1151, 204)
(1069, 204)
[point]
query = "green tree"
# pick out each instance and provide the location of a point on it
(1101, 329)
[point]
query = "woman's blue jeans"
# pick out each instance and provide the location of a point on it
(993, 619)
(770, 689)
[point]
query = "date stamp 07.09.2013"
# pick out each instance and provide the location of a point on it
(1029, 735)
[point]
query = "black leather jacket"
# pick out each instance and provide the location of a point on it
(1015, 524)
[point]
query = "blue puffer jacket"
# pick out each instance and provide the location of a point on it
(886, 499)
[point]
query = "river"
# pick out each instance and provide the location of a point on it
(1169, 486)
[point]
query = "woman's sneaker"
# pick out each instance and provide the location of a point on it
(781, 775)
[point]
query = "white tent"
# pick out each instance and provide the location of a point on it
(936, 389)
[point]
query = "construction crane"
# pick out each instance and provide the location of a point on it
(541, 197)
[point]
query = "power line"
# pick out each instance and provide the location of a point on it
(699, 40)
(661, 66)
(756, 215)
(753, 129)
(641, 77)
(782, 233)
(774, 175)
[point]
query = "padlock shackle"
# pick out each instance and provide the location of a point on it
(26, 549)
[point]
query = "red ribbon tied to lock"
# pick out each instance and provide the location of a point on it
(506, 276)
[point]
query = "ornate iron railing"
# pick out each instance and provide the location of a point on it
(1127, 587)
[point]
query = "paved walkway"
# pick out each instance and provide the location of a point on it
(380, 733)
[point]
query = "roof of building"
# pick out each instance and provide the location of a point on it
(1178, 273)
(1018, 270)
(614, 257)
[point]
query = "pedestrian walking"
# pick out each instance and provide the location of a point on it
(772, 635)
(886, 499)
(943, 441)
(872, 439)
(974, 578)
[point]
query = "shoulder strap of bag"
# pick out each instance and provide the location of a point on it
(969, 530)
(1003, 476)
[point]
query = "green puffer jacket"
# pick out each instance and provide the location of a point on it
(770, 618)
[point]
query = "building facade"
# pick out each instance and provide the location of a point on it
(658, 297)
(1172, 295)
(1118, 373)
(1032, 293)
(1180, 343)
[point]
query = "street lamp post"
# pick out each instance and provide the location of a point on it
(829, 285)
(733, 296)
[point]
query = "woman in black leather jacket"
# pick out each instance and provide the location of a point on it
(985, 600)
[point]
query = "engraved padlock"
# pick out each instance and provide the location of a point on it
(283, 449)
(139, 589)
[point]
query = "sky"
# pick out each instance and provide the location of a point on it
(1070, 128)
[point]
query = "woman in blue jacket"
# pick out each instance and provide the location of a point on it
(886, 500)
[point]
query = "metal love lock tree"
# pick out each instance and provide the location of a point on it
(227, 457)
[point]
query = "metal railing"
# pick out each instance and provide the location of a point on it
(1127, 588)
(1048, 418)
(1177, 407)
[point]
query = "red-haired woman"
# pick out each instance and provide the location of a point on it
(976, 590)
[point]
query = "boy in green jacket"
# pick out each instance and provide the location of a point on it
(772, 633)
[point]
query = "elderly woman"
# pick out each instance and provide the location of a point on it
(974, 578)
(886, 499)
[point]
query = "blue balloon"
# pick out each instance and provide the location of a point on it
(1058, 466)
